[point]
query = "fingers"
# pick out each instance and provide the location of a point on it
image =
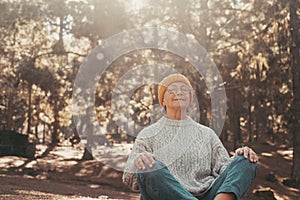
(247, 152)
(144, 158)
(148, 159)
(239, 151)
(253, 156)
(138, 162)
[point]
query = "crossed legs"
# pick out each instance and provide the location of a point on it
(158, 183)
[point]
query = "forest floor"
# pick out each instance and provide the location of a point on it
(58, 173)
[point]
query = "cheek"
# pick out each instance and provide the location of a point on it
(165, 99)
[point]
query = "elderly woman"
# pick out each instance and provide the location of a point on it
(178, 158)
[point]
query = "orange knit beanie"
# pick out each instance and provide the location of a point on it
(167, 81)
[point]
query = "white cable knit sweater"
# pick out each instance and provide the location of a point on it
(192, 152)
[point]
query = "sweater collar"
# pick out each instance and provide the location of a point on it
(172, 122)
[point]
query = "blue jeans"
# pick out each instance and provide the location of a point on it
(157, 183)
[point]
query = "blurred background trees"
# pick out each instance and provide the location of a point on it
(255, 45)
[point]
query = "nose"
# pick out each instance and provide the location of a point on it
(178, 91)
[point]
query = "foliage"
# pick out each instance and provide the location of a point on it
(43, 44)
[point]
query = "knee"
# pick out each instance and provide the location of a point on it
(246, 164)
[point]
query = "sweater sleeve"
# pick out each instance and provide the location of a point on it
(220, 156)
(129, 175)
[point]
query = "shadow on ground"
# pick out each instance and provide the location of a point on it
(61, 174)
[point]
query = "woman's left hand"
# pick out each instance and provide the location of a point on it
(247, 152)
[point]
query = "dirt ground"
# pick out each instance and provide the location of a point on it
(60, 174)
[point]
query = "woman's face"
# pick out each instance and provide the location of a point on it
(177, 96)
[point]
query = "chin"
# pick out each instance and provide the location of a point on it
(181, 106)
(181, 103)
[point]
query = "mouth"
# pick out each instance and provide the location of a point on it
(179, 99)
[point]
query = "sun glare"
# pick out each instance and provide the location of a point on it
(135, 5)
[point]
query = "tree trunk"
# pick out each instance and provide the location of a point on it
(10, 112)
(44, 132)
(37, 133)
(295, 65)
(204, 40)
(29, 109)
(250, 136)
(87, 155)
(55, 134)
(234, 118)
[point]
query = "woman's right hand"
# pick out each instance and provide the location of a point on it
(144, 158)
